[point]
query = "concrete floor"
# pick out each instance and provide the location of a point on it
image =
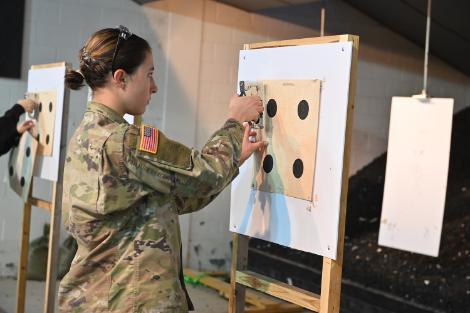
(205, 300)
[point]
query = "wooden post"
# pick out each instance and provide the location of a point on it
(239, 262)
(23, 262)
(56, 211)
(332, 269)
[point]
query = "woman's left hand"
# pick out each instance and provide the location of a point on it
(250, 146)
(26, 125)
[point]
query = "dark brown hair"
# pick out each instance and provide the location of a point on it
(97, 54)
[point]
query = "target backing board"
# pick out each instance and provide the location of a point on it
(416, 174)
(310, 222)
(48, 81)
(287, 166)
(21, 165)
(44, 117)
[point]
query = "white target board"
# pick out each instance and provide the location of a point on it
(310, 226)
(416, 174)
(49, 78)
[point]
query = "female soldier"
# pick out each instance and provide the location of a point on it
(125, 186)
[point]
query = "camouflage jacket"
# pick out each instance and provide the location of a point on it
(121, 204)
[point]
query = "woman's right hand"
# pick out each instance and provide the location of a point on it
(245, 109)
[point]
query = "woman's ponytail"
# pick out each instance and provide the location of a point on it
(74, 80)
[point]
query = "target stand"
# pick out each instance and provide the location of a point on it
(306, 195)
(42, 154)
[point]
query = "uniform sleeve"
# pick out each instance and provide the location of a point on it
(194, 177)
(10, 136)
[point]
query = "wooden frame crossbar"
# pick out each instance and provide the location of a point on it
(42, 204)
(258, 302)
(306, 299)
(329, 299)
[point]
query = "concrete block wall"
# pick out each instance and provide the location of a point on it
(195, 45)
(389, 65)
(54, 31)
(225, 31)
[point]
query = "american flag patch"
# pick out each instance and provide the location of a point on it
(148, 139)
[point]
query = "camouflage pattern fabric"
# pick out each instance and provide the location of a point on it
(122, 205)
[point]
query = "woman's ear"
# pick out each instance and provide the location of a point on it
(120, 78)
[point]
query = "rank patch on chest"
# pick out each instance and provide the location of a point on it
(148, 139)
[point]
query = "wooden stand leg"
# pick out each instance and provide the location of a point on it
(53, 255)
(332, 270)
(330, 286)
(236, 302)
(23, 266)
(56, 210)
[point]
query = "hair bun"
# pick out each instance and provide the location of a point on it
(74, 79)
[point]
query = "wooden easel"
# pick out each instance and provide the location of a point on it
(54, 208)
(329, 299)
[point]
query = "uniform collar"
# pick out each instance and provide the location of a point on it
(100, 108)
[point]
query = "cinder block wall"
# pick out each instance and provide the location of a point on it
(55, 30)
(389, 65)
(195, 45)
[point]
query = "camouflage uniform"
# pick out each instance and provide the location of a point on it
(121, 204)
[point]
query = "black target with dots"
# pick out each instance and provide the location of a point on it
(291, 116)
(45, 122)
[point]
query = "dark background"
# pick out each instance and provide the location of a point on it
(11, 37)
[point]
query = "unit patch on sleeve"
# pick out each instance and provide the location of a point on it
(148, 139)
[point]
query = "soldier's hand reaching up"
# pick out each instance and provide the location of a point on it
(245, 109)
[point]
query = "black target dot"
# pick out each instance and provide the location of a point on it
(47, 139)
(271, 107)
(28, 152)
(40, 106)
(268, 163)
(22, 181)
(302, 109)
(50, 106)
(11, 170)
(298, 168)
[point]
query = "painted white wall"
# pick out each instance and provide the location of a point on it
(389, 65)
(196, 45)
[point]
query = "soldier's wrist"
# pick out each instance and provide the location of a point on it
(234, 122)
